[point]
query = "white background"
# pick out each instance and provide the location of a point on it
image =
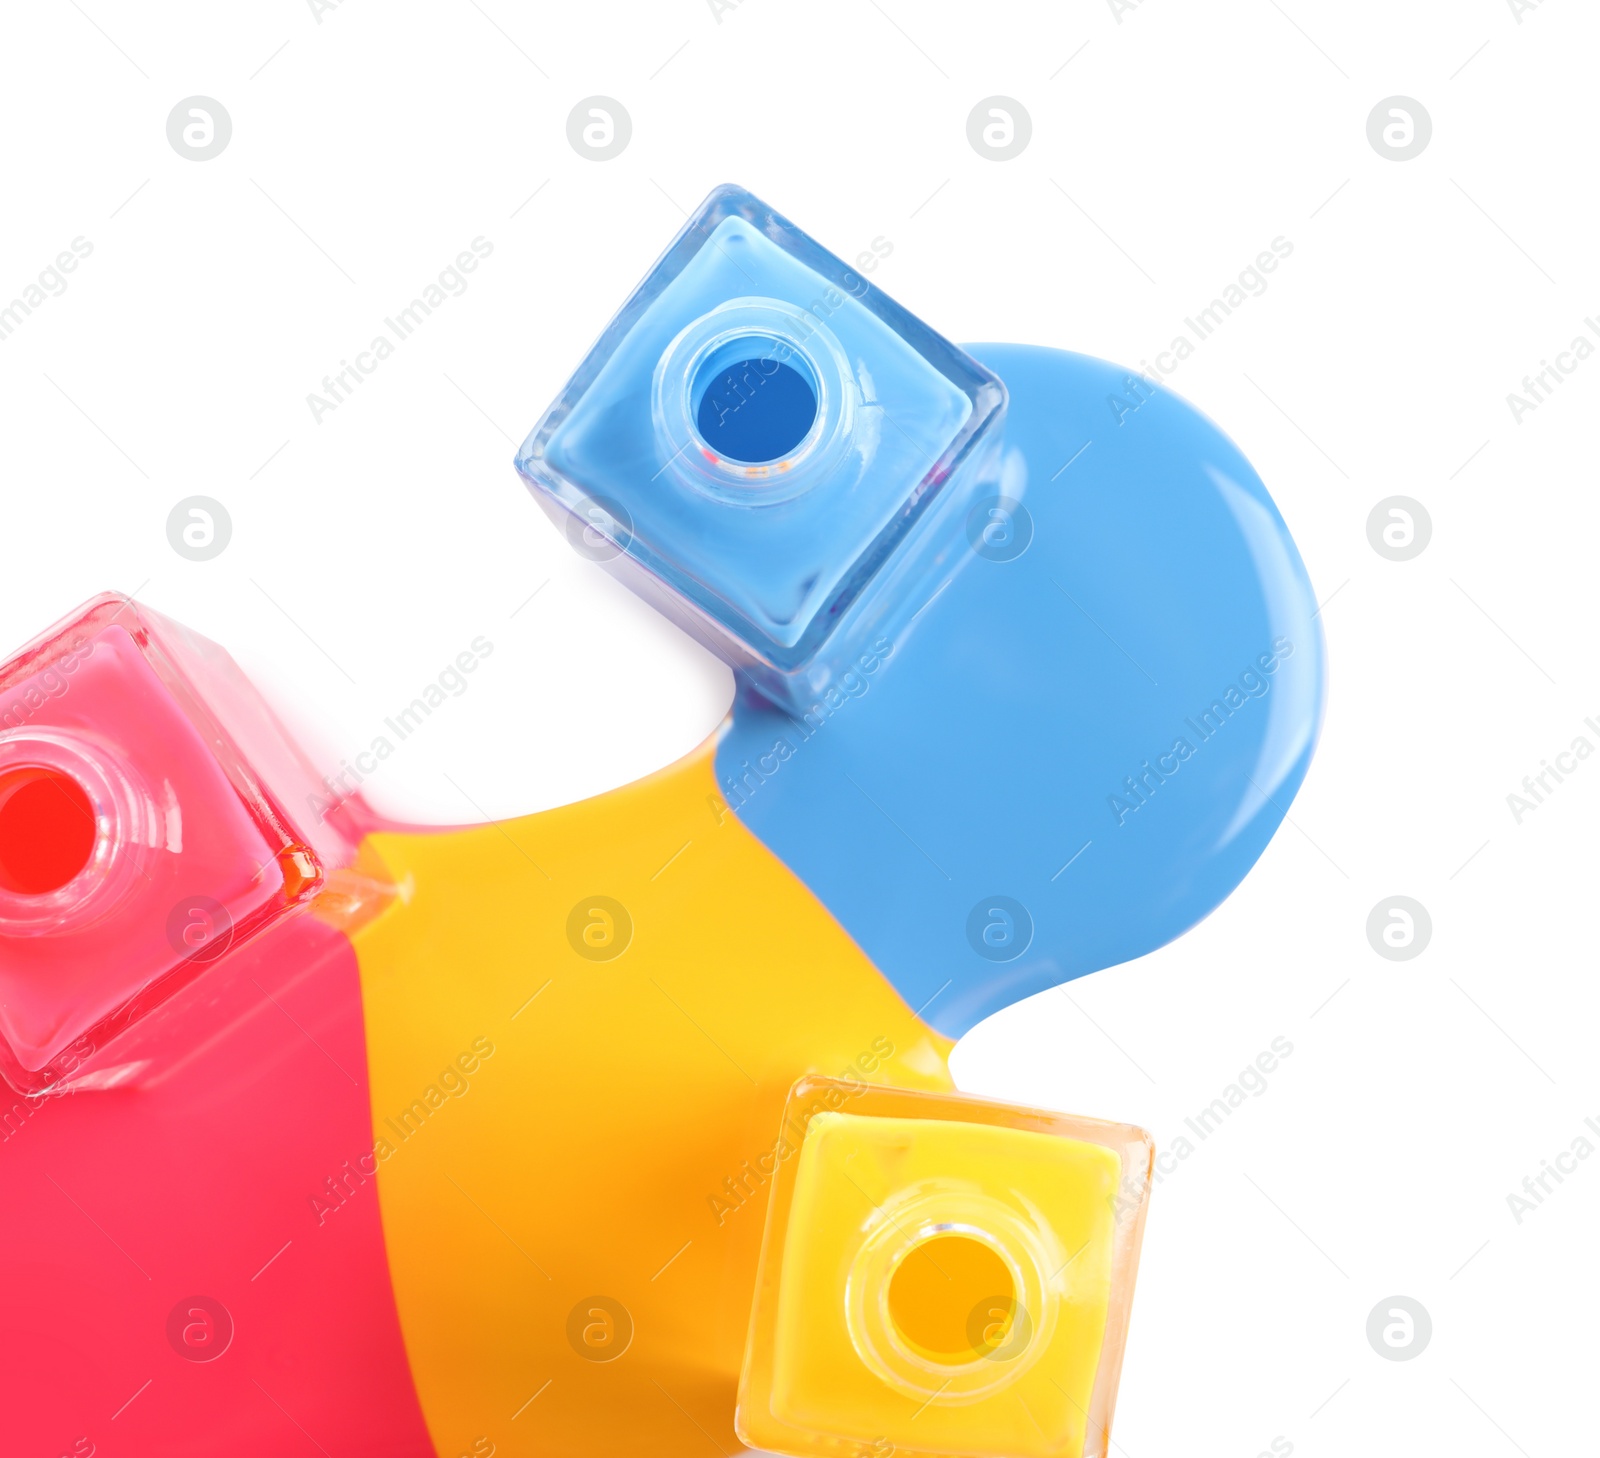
(1170, 146)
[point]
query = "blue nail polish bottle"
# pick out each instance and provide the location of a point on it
(770, 450)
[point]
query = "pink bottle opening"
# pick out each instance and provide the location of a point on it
(47, 829)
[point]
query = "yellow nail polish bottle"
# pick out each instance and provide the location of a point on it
(942, 1275)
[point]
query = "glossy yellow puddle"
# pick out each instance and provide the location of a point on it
(582, 1026)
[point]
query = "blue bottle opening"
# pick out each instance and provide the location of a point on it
(751, 406)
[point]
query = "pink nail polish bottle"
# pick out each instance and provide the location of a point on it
(154, 815)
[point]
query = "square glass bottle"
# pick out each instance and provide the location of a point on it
(770, 450)
(154, 815)
(942, 1275)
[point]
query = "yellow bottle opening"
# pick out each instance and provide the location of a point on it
(951, 1299)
